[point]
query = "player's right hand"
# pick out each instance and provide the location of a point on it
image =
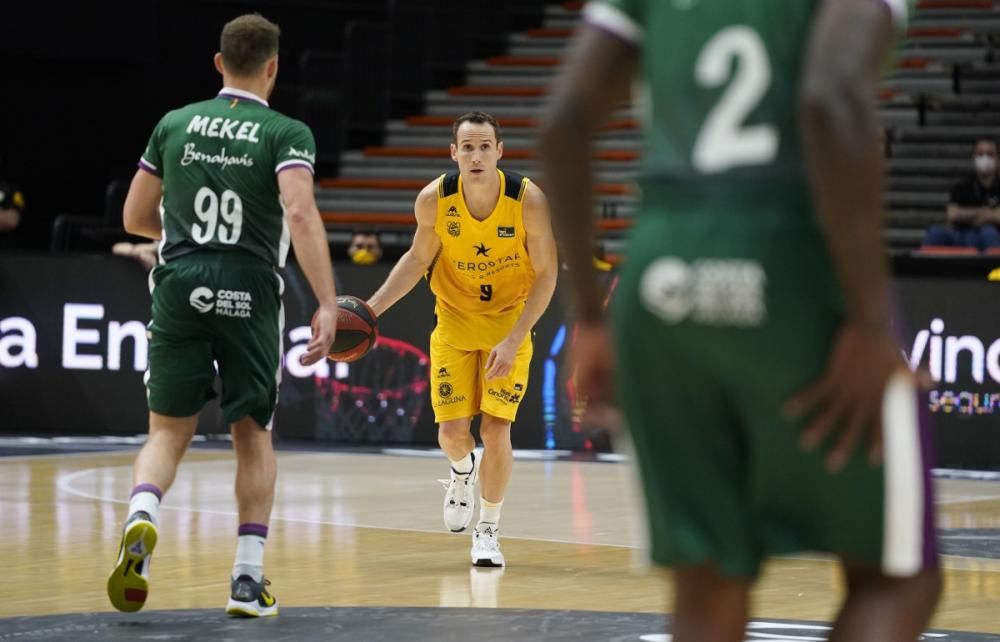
(594, 362)
(847, 398)
(324, 329)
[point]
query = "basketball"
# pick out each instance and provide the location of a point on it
(357, 330)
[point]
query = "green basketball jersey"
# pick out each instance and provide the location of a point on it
(219, 161)
(722, 81)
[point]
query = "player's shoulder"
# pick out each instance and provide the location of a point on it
(183, 114)
(430, 192)
(516, 185)
(287, 123)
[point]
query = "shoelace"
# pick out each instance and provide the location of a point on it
(458, 479)
(487, 538)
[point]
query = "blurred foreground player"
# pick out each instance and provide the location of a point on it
(754, 356)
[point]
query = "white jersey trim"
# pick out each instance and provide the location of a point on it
(899, 12)
(242, 93)
(613, 20)
(903, 526)
(291, 163)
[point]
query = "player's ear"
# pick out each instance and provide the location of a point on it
(272, 68)
(454, 151)
(500, 150)
(218, 63)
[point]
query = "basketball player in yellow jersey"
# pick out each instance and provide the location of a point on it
(484, 242)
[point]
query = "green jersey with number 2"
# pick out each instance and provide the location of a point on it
(722, 77)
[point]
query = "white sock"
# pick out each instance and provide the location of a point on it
(489, 512)
(145, 501)
(249, 557)
(462, 466)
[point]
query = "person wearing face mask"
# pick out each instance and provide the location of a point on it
(974, 205)
(365, 247)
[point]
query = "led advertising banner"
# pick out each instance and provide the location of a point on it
(73, 352)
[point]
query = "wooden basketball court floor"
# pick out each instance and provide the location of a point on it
(353, 529)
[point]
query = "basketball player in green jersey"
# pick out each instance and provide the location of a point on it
(226, 184)
(769, 404)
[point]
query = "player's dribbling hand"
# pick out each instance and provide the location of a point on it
(324, 328)
(501, 359)
(848, 396)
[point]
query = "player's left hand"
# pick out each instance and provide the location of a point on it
(501, 359)
(845, 402)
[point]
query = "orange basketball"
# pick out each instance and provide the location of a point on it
(357, 330)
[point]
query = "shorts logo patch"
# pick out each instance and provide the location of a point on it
(443, 372)
(445, 390)
(227, 303)
(201, 299)
(717, 292)
(505, 395)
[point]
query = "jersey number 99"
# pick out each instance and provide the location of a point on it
(207, 207)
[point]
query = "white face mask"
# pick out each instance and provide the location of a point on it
(985, 164)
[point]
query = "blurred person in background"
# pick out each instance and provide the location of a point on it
(365, 247)
(973, 212)
(12, 206)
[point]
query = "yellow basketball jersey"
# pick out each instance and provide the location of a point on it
(483, 270)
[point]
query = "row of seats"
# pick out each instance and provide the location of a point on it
(941, 93)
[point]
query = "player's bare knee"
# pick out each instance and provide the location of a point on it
(453, 433)
(495, 432)
(920, 591)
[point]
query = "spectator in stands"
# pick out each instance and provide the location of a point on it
(974, 205)
(11, 211)
(365, 247)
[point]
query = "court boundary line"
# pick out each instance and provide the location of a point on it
(63, 483)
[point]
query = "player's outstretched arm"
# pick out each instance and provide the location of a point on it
(141, 212)
(595, 82)
(415, 261)
(544, 260)
(847, 47)
(313, 254)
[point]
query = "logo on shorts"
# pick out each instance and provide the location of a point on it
(443, 372)
(445, 390)
(505, 395)
(454, 228)
(227, 303)
(201, 299)
(718, 291)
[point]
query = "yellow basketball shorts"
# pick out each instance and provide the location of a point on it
(459, 387)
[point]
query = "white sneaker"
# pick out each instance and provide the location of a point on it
(460, 498)
(485, 546)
